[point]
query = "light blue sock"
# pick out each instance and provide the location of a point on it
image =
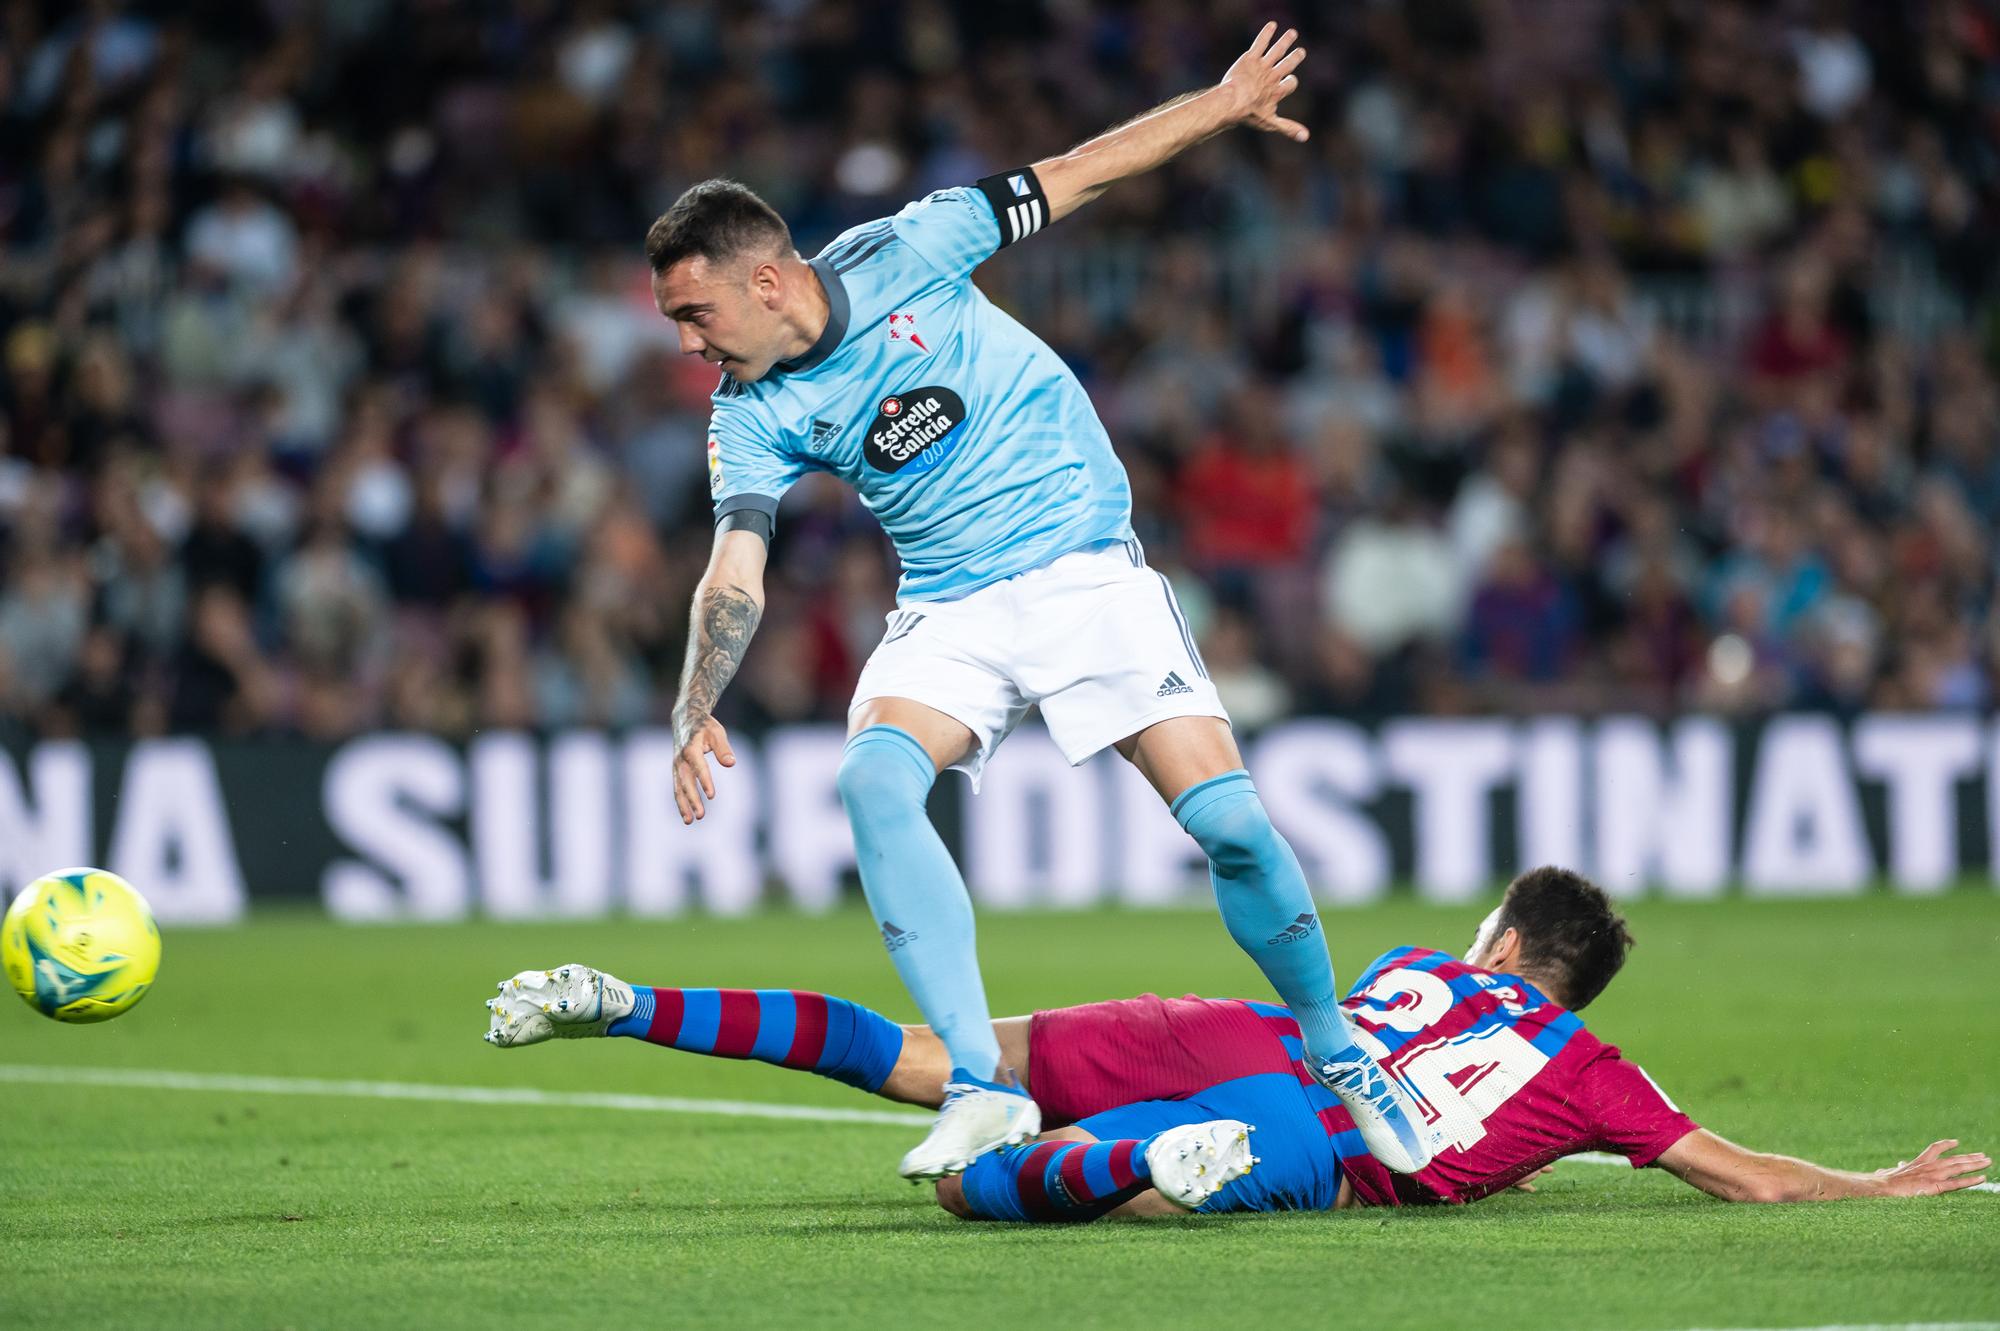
(916, 892)
(1266, 904)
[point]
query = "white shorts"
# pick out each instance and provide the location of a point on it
(1095, 638)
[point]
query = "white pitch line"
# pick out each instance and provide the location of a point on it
(160, 1079)
(163, 1079)
(1874, 1326)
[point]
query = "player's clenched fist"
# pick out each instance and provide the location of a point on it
(1262, 77)
(693, 784)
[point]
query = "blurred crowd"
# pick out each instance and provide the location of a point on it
(333, 396)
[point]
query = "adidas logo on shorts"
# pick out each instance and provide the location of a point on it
(1302, 927)
(1171, 685)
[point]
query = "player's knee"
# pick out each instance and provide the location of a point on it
(951, 1196)
(857, 779)
(880, 772)
(1237, 836)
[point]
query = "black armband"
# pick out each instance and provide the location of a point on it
(1018, 203)
(751, 513)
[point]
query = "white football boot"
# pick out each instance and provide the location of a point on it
(1382, 1109)
(569, 1002)
(976, 1117)
(1191, 1164)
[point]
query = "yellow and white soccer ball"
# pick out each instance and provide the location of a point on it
(80, 945)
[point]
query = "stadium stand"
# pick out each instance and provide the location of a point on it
(1591, 356)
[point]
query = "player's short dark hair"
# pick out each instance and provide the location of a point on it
(1569, 931)
(717, 220)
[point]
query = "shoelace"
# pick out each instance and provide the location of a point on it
(1363, 1079)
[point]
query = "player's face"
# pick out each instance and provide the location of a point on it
(726, 313)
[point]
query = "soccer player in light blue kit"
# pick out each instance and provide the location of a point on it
(976, 449)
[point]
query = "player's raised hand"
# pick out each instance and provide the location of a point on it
(1934, 1172)
(693, 783)
(1262, 77)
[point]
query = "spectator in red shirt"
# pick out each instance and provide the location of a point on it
(1246, 496)
(1798, 339)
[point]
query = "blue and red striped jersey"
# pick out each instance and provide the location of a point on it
(1510, 1080)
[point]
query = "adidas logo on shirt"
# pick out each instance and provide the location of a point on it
(1171, 685)
(1302, 927)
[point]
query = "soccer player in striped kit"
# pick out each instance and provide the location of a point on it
(980, 454)
(1154, 1099)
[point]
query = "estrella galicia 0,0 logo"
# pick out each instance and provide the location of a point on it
(916, 429)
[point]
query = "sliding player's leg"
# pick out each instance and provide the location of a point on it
(1155, 1157)
(791, 1028)
(1268, 909)
(914, 889)
(924, 1066)
(1189, 1150)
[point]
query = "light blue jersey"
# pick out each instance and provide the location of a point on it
(964, 434)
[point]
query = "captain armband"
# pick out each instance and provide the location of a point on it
(748, 512)
(1018, 202)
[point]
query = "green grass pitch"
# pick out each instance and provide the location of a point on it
(1848, 1031)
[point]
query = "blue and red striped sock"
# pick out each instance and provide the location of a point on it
(789, 1027)
(1057, 1180)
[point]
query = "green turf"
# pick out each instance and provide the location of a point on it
(1851, 1031)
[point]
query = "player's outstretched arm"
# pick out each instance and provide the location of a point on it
(728, 603)
(1726, 1170)
(1248, 94)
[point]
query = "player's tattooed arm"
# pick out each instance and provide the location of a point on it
(1248, 94)
(723, 621)
(728, 604)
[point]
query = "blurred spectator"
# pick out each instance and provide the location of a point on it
(1251, 692)
(1798, 338)
(1739, 200)
(43, 624)
(589, 678)
(221, 682)
(98, 700)
(1521, 626)
(246, 238)
(1246, 500)
(1392, 580)
(1496, 504)
(216, 551)
(332, 604)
